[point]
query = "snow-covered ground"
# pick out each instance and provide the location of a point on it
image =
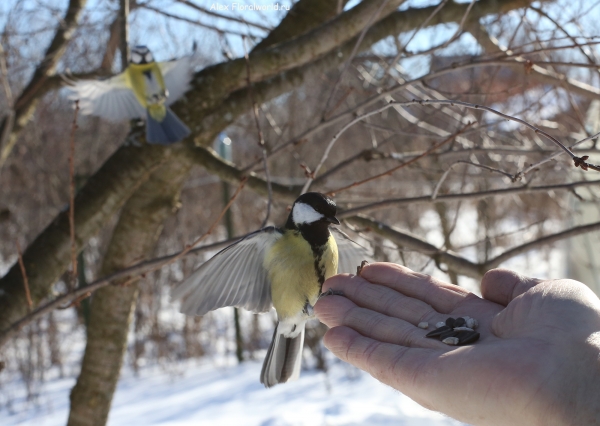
(209, 394)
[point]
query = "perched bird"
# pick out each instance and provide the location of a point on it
(280, 267)
(145, 89)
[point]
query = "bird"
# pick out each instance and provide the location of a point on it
(144, 90)
(280, 267)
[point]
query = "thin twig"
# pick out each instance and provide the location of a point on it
(352, 54)
(553, 156)
(222, 16)
(419, 28)
(261, 139)
(391, 104)
(513, 178)
(24, 274)
(351, 112)
(426, 199)
(406, 163)
(191, 21)
(461, 25)
(139, 269)
(72, 200)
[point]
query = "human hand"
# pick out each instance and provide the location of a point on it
(536, 363)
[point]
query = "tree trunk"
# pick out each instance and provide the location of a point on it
(134, 238)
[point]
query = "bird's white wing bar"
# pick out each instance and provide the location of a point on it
(233, 277)
(350, 253)
(177, 75)
(111, 99)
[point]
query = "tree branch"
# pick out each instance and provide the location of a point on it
(26, 102)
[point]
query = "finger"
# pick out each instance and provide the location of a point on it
(502, 285)
(443, 297)
(383, 299)
(335, 311)
(400, 367)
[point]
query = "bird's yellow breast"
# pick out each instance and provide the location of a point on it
(294, 280)
(134, 75)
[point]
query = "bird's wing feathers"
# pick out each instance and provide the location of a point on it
(233, 277)
(177, 75)
(111, 98)
(350, 253)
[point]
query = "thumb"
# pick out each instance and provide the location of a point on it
(502, 285)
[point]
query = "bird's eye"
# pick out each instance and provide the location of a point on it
(136, 58)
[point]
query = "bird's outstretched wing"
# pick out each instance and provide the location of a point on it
(111, 98)
(176, 75)
(233, 277)
(350, 253)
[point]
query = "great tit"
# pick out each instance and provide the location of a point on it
(144, 89)
(280, 267)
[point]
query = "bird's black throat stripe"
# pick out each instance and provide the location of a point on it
(317, 235)
(148, 74)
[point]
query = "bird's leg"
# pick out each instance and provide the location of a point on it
(308, 310)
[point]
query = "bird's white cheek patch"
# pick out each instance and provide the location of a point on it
(303, 213)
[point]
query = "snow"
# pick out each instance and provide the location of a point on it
(205, 393)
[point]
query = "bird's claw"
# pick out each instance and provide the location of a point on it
(332, 292)
(360, 268)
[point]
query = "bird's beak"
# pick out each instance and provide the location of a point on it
(333, 220)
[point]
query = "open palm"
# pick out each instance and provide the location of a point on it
(528, 367)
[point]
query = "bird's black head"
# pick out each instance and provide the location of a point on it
(312, 208)
(141, 55)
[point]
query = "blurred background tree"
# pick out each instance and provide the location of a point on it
(461, 190)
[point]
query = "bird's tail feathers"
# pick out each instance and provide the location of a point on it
(284, 358)
(170, 130)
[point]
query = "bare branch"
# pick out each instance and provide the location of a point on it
(221, 16)
(191, 21)
(525, 189)
(261, 140)
(481, 166)
(404, 164)
(458, 264)
(72, 199)
(361, 36)
(25, 103)
(130, 273)
(540, 242)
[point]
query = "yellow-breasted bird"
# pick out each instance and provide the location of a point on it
(145, 89)
(280, 267)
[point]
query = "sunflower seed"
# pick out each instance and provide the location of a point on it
(453, 341)
(424, 325)
(440, 324)
(463, 329)
(450, 333)
(467, 337)
(438, 331)
(450, 322)
(459, 322)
